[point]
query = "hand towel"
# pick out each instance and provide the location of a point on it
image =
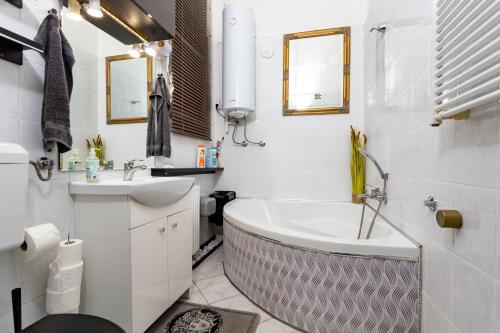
(159, 122)
(58, 85)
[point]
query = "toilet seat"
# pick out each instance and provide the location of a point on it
(74, 323)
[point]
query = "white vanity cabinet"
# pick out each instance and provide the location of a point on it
(137, 259)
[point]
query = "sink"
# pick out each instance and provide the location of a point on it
(149, 191)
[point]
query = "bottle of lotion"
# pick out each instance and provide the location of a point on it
(92, 167)
(200, 156)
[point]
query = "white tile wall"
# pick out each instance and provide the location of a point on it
(20, 112)
(458, 163)
(305, 157)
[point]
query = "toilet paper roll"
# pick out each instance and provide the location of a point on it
(64, 278)
(39, 240)
(69, 254)
(62, 302)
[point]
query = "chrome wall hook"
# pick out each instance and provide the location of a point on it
(431, 203)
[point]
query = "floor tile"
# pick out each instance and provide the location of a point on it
(242, 303)
(208, 269)
(195, 296)
(275, 326)
(217, 288)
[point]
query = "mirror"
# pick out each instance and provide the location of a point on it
(109, 99)
(128, 81)
(316, 67)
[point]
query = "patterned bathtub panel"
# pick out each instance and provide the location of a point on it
(324, 292)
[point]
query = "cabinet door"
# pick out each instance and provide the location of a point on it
(179, 245)
(149, 273)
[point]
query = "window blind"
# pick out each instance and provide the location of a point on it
(191, 69)
(467, 56)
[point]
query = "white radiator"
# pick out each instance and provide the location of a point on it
(195, 203)
(467, 58)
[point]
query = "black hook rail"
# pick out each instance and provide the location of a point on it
(12, 46)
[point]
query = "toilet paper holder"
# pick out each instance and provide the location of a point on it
(449, 219)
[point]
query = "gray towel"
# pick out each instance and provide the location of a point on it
(59, 61)
(159, 123)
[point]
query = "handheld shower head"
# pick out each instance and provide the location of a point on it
(365, 153)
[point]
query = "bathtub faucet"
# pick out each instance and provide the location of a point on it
(375, 194)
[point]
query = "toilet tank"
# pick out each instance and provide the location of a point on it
(13, 194)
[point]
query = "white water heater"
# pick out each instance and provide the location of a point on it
(238, 61)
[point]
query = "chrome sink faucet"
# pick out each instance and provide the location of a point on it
(129, 169)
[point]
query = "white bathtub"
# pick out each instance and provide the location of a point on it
(330, 226)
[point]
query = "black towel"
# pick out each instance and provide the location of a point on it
(59, 61)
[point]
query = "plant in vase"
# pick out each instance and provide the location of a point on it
(357, 165)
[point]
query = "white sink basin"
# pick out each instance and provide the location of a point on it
(150, 191)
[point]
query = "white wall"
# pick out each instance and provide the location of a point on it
(307, 156)
(458, 163)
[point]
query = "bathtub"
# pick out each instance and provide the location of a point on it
(301, 262)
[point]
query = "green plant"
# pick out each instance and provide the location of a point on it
(357, 163)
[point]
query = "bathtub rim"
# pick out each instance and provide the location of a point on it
(410, 253)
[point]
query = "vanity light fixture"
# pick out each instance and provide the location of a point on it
(94, 8)
(135, 51)
(149, 49)
(74, 11)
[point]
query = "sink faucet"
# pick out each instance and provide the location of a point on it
(129, 169)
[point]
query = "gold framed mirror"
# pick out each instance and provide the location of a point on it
(316, 72)
(128, 83)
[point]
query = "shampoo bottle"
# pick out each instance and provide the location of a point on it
(92, 167)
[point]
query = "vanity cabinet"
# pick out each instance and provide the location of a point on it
(137, 259)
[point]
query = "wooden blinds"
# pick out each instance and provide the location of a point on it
(191, 68)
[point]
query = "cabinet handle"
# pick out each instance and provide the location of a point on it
(174, 225)
(162, 229)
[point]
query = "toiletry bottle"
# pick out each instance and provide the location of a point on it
(74, 160)
(200, 156)
(92, 167)
(208, 157)
(71, 162)
(214, 157)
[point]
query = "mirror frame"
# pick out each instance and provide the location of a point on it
(149, 70)
(346, 31)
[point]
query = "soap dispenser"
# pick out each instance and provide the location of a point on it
(92, 167)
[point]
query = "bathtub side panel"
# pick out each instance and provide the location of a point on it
(323, 292)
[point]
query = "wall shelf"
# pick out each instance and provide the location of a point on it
(174, 172)
(12, 46)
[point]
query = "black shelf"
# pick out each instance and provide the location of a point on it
(17, 3)
(174, 172)
(12, 46)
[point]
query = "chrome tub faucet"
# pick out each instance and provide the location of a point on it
(375, 194)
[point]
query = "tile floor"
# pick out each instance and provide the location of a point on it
(211, 286)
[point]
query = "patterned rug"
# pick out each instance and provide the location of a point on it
(184, 317)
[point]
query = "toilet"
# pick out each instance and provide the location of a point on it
(14, 163)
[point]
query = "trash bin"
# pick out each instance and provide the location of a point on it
(221, 199)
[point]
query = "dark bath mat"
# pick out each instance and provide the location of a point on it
(184, 317)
